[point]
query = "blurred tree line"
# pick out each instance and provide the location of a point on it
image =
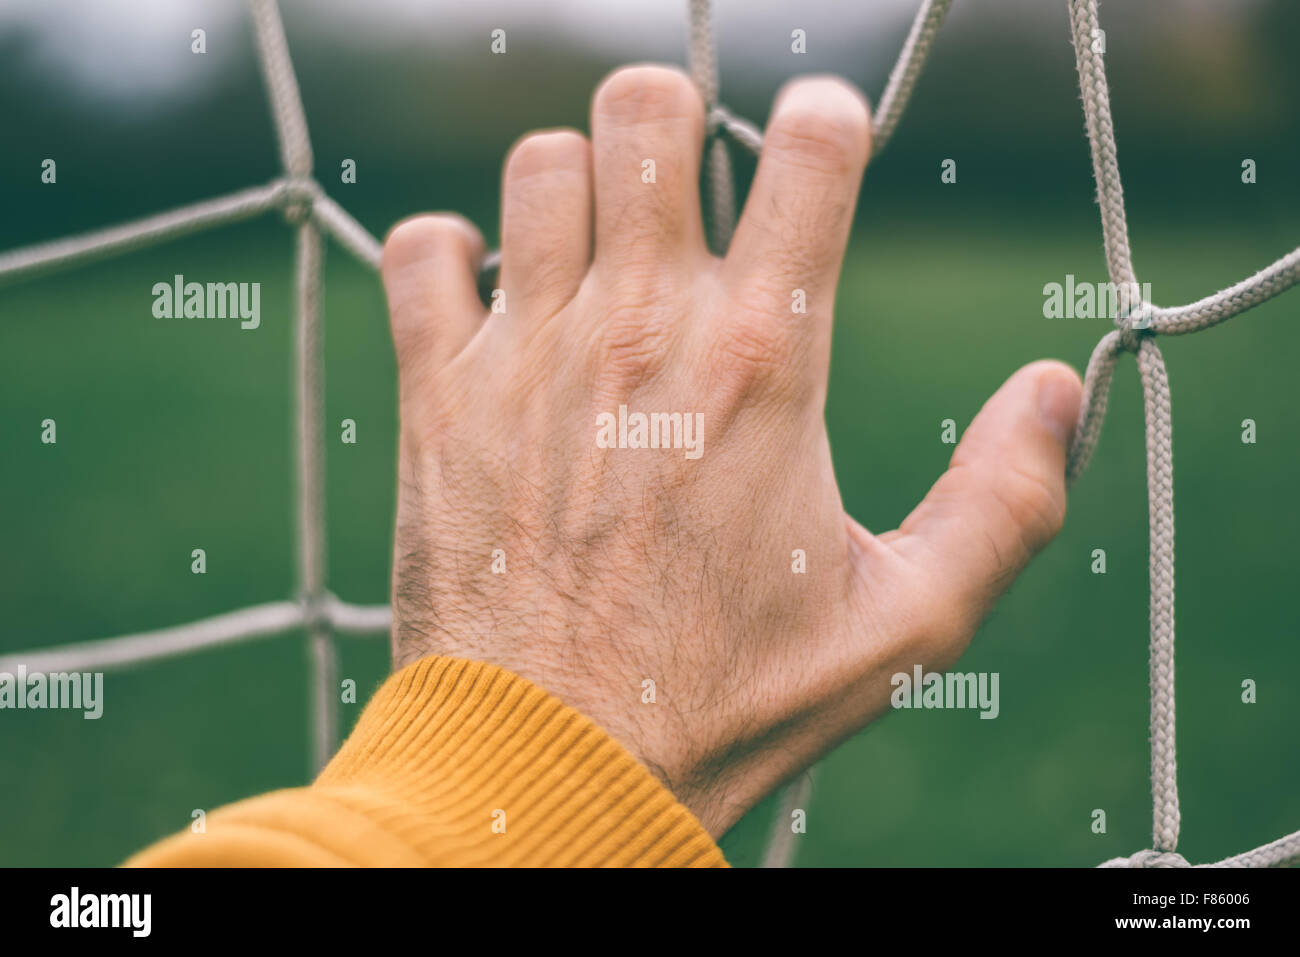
(1197, 88)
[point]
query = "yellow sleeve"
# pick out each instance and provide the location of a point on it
(459, 764)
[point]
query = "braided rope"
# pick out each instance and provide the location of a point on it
(704, 71)
(1212, 310)
(257, 621)
(1134, 336)
(902, 79)
(305, 205)
(309, 373)
(282, 87)
(75, 250)
(1101, 135)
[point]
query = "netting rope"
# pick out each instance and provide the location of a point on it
(311, 213)
(305, 207)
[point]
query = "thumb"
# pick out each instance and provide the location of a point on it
(1003, 496)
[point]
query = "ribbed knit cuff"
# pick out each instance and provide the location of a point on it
(467, 764)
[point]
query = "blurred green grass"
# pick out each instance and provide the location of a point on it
(176, 434)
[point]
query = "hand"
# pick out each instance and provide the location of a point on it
(522, 539)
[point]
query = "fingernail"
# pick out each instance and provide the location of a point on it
(1058, 403)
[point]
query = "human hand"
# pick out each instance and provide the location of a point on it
(523, 540)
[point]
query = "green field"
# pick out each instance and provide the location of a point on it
(175, 434)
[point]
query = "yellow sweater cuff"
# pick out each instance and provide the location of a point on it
(462, 764)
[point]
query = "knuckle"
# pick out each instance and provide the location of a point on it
(1035, 506)
(823, 125)
(947, 626)
(411, 254)
(1042, 510)
(629, 347)
(935, 632)
(754, 347)
(544, 152)
(418, 239)
(647, 93)
(641, 284)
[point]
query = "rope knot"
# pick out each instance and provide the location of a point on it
(1149, 858)
(714, 121)
(722, 122)
(1134, 324)
(298, 197)
(1130, 339)
(315, 610)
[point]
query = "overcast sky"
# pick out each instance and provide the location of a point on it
(126, 49)
(130, 48)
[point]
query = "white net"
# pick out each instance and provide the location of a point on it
(310, 212)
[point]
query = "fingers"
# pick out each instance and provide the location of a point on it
(647, 132)
(430, 266)
(795, 225)
(1003, 496)
(545, 221)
